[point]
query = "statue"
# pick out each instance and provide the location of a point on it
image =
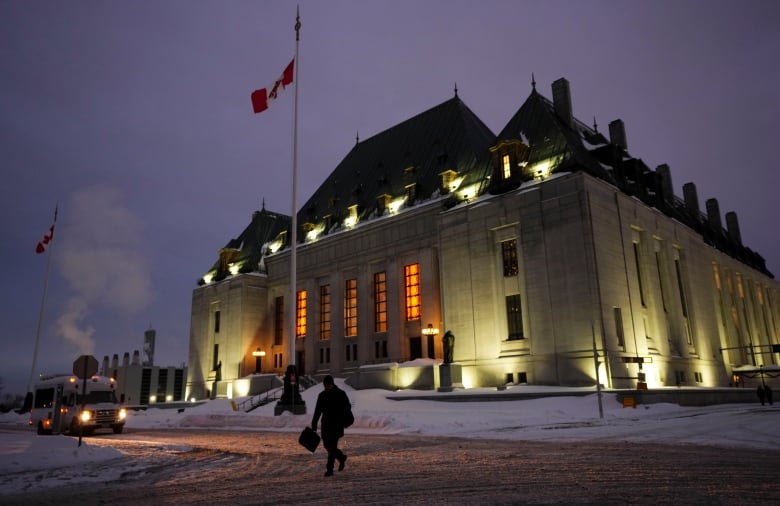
(448, 342)
(291, 393)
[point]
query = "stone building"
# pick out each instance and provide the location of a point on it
(140, 382)
(548, 250)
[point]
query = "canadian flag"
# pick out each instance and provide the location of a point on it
(48, 237)
(262, 98)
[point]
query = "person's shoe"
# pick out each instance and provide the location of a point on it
(328, 473)
(342, 461)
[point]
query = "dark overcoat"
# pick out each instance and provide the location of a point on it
(331, 405)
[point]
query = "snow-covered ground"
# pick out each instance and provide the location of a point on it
(574, 418)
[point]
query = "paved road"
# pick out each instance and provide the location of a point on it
(232, 467)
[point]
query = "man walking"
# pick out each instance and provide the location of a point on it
(332, 405)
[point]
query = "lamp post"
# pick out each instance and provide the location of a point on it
(431, 332)
(258, 354)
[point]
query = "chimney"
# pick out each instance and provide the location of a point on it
(665, 173)
(149, 337)
(136, 358)
(562, 101)
(732, 225)
(104, 371)
(713, 214)
(115, 362)
(126, 359)
(691, 199)
(617, 133)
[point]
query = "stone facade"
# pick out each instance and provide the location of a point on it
(552, 275)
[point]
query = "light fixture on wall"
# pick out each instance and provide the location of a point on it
(258, 354)
(430, 330)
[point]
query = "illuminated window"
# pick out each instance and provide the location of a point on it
(412, 283)
(447, 179)
(509, 256)
(350, 307)
(380, 302)
(506, 166)
(325, 312)
(514, 317)
(300, 314)
(279, 321)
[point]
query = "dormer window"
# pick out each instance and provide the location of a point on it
(510, 158)
(382, 202)
(352, 216)
(411, 192)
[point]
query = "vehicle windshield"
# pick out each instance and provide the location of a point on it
(98, 397)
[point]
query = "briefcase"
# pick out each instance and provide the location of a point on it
(309, 439)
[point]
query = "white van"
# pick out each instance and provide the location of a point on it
(59, 406)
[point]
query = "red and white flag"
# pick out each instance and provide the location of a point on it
(48, 237)
(262, 98)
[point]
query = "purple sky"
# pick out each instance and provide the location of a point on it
(136, 118)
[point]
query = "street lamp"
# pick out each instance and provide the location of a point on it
(258, 354)
(431, 332)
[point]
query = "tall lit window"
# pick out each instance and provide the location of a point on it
(412, 284)
(300, 314)
(514, 317)
(506, 167)
(325, 312)
(279, 321)
(350, 307)
(380, 302)
(509, 256)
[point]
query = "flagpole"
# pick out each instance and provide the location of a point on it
(294, 225)
(40, 311)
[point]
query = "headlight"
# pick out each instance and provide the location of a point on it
(85, 415)
(122, 413)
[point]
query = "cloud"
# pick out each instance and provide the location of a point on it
(102, 257)
(69, 324)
